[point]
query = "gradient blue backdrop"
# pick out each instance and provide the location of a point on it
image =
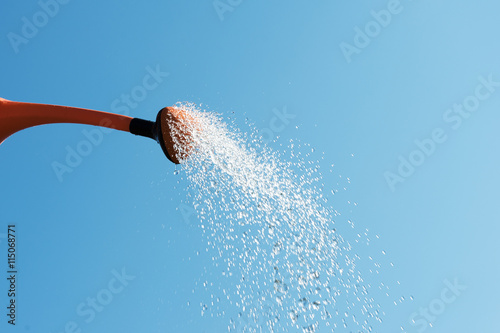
(120, 208)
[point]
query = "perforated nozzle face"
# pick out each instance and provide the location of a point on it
(174, 133)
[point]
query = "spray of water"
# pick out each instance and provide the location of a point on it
(268, 221)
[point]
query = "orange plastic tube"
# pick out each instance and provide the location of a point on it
(16, 116)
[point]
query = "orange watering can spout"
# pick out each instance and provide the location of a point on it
(16, 116)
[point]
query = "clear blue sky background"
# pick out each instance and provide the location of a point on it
(118, 209)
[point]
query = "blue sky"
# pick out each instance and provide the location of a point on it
(117, 212)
